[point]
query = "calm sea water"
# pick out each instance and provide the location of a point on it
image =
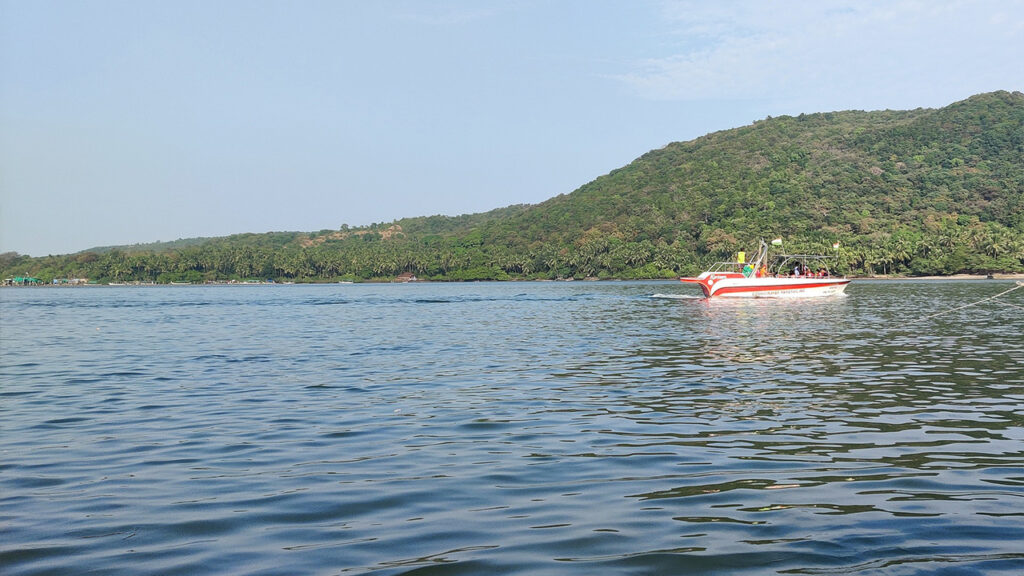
(511, 428)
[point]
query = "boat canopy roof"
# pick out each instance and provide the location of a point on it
(782, 260)
(803, 257)
(778, 261)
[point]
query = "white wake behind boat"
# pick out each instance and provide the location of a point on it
(754, 280)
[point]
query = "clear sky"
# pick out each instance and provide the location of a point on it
(138, 121)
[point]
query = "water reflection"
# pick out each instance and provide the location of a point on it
(840, 407)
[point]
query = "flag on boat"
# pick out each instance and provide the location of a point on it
(777, 242)
(835, 246)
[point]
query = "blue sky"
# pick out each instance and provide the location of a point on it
(126, 122)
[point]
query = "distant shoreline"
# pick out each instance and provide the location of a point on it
(994, 276)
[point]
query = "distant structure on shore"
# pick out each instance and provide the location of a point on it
(30, 281)
(22, 281)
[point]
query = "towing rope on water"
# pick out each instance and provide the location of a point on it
(1017, 285)
(1008, 304)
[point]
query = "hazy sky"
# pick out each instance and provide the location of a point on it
(138, 121)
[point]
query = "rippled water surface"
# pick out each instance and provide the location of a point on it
(511, 428)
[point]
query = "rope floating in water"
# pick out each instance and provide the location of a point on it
(1017, 285)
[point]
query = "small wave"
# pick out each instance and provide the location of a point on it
(328, 302)
(676, 297)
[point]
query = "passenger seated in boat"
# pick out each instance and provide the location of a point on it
(796, 270)
(747, 271)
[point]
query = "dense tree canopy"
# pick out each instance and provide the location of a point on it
(907, 192)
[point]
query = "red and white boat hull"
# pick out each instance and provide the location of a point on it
(732, 285)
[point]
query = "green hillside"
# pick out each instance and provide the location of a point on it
(911, 192)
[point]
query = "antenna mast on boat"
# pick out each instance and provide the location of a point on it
(762, 256)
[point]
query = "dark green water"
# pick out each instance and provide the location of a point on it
(516, 428)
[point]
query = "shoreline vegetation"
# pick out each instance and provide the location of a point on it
(913, 193)
(876, 277)
(996, 276)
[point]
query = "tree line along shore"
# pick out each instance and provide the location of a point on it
(972, 249)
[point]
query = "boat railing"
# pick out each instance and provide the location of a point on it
(721, 267)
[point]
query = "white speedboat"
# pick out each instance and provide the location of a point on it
(790, 276)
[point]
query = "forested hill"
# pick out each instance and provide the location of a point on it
(923, 191)
(867, 179)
